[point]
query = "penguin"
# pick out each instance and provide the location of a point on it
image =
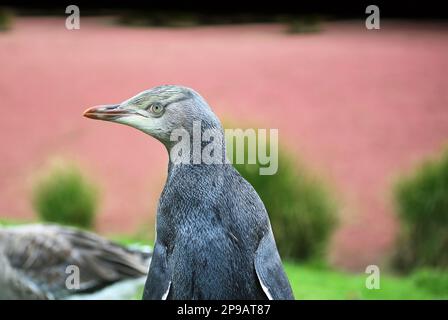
(214, 239)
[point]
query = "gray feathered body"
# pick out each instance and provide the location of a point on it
(210, 224)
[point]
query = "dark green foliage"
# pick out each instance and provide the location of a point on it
(63, 195)
(302, 213)
(422, 203)
(159, 19)
(6, 17)
(304, 24)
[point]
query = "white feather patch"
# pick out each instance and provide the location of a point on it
(265, 289)
(165, 295)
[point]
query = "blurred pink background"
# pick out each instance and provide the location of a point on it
(358, 106)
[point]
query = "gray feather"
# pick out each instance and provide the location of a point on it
(35, 258)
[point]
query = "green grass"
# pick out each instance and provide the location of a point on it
(129, 240)
(315, 283)
(318, 282)
(311, 283)
(12, 222)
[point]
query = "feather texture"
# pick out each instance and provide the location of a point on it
(34, 261)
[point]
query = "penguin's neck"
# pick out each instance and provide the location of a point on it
(189, 193)
(203, 150)
(196, 184)
(196, 171)
(195, 178)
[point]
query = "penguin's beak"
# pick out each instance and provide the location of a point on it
(107, 112)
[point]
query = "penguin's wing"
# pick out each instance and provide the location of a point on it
(269, 269)
(158, 284)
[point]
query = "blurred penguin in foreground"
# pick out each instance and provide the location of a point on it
(54, 262)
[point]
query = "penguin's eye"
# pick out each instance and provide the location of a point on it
(156, 109)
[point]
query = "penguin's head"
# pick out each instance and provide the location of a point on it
(159, 111)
